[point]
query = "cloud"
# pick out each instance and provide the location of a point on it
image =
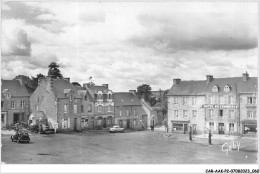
(18, 45)
(214, 31)
(92, 17)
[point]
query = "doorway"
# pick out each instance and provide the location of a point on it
(128, 124)
(104, 122)
(75, 124)
(221, 128)
(16, 118)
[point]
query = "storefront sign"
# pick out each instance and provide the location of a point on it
(220, 106)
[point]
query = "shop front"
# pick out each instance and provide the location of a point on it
(180, 126)
(249, 128)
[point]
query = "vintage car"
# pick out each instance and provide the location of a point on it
(116, 129)
(21, 136)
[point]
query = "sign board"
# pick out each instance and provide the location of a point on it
(220, 106)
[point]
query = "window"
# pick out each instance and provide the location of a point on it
(175, 100)
(95, 96)
(231, 114)
(216, 99)
(12, 104)
(231, 127)
(127, 112)
(65, 107)
(70, 97)
(185, 115)
(134, 111)
(221, 98)
(212, 99)
(194, 127)
(75, 109)
(99, 97)
(86, 97)
(215, 88)
(230, 99)
(109, 96)
(89, 108)
(211, 125)
(220, 113)
(211, 113)
(120, 112)
(250, 114)
(22, 104)
(7, 95)
(193, 100)
(105, 109)
(82, 108)
(249, 100)
(176, 114)
(194, 113)
(226, 88)
(185, 100)
(2, 104)
(99, 108)
(109, 109)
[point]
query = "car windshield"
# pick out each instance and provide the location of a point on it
(116, 126)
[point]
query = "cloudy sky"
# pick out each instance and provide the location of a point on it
(130, 43)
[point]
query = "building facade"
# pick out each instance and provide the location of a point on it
(129, 112)
(103, 106)
(60, 102)
(223, 105)
(15, 102)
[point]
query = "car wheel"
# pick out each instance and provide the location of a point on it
(12, 138)
(18, 140)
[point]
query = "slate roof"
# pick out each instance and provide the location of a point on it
(15, 87)
(202, 87)
(126, 99)
(60, 85)
(98, 88)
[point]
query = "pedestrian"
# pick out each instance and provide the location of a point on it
(209, 136)
(190, 133)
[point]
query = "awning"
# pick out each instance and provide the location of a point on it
(247, 122)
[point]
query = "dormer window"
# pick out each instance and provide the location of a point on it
(7, 95)
(215, 88)
(227, 88)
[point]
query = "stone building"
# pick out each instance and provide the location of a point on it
(87, 108)
(103, 106)
(59, 101)
(224, 105)
(129, 112)
(15, 102)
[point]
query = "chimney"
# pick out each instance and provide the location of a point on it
(67, 79)
(245, 76)
(105, 85)
(209, 78)
(176, 81)
(133, 91)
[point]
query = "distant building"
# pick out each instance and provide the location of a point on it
(129, 112)
(59, 101)
(224, 105)
(103, 106)
(15, 103)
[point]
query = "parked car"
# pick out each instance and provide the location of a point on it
(21, 136)
(116, 129)
(46, 130)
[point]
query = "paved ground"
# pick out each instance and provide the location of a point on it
(144, 147)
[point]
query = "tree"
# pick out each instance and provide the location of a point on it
(26, 79)
(164, 102)
(153, 100)
(54, 71)
(144, 91)
(34, 82)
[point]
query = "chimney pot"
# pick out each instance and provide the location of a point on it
(245, 76)
(176, 81)
(133, 91)
(67, 79)
(209, 78)
(105, 85)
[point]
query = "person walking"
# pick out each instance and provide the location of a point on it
(210, 137)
